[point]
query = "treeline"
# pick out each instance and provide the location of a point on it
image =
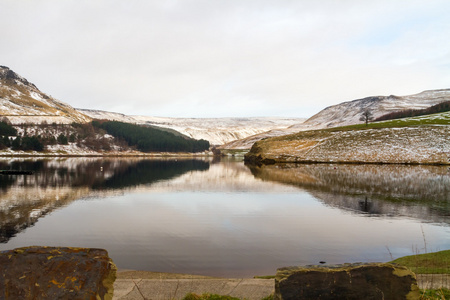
(441, 107)
(37, 137)
(96, 136)
(31, 143)
(6, 129)
(148, 139)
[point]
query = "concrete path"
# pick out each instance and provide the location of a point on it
(433, 281)
(168, 289)
(165, 286)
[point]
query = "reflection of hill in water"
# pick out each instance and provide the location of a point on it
(150, 171)
(421, 192)
(22, 208)
(58, 182)
(223, 177)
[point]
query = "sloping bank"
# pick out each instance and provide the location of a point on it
(405, 145)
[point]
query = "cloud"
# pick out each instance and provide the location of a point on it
(225, 58)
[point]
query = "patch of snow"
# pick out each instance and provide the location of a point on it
(217, 131)
(348, 113)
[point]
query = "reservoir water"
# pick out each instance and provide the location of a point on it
(222, 218)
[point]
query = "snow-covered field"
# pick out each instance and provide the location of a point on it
(217, 131)
(411, 145)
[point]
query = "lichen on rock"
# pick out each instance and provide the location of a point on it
(347, 281)
(56, 273)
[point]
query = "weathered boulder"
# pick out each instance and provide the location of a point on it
(347, 281)
(56, 273)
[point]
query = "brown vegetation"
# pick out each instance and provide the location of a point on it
(441, 107)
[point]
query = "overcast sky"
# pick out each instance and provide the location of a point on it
(225, 58)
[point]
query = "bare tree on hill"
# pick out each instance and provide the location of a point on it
(366, 116)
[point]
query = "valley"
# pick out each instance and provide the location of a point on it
(52, 127)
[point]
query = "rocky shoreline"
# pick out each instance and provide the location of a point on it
(88, 273)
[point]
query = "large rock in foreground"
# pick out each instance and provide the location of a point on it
(56, 273)
(348, 281)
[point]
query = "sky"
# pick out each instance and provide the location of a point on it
(225, 58)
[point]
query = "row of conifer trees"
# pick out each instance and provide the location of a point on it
(92, 136)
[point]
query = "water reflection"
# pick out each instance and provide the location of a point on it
(57, 182)
(421, 192)
(96, 173)
(221, 218)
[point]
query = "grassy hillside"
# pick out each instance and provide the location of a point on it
(433, 119)
(430, 263)
(417, 140)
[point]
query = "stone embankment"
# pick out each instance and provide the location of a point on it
(406, 145)
(83, 273)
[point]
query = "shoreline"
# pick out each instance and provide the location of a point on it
(133, 274)
(250, 161)
(114, 154)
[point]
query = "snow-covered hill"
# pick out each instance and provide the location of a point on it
(427, 144)
(22, 102)
(247, 142)
(217, 131)
(348, 113)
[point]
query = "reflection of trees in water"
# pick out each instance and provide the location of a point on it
(97, 173)
(56, 183)
(365, 205)
(417, 191)
(5, 182)
(50, 173)
(150, 171)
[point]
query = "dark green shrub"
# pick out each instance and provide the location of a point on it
(6, 129)
(62, 139)
(32, 143)
(16, 143)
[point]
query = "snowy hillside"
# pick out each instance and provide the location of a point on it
(220, 130)
(405, 145)
(247, 143)
(348, 113)
(217, 131)
(22, 102)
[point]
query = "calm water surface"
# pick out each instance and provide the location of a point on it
(222, 218)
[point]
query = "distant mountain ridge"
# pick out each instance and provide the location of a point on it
(22, 102)
(348, 113)
(217, 131)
